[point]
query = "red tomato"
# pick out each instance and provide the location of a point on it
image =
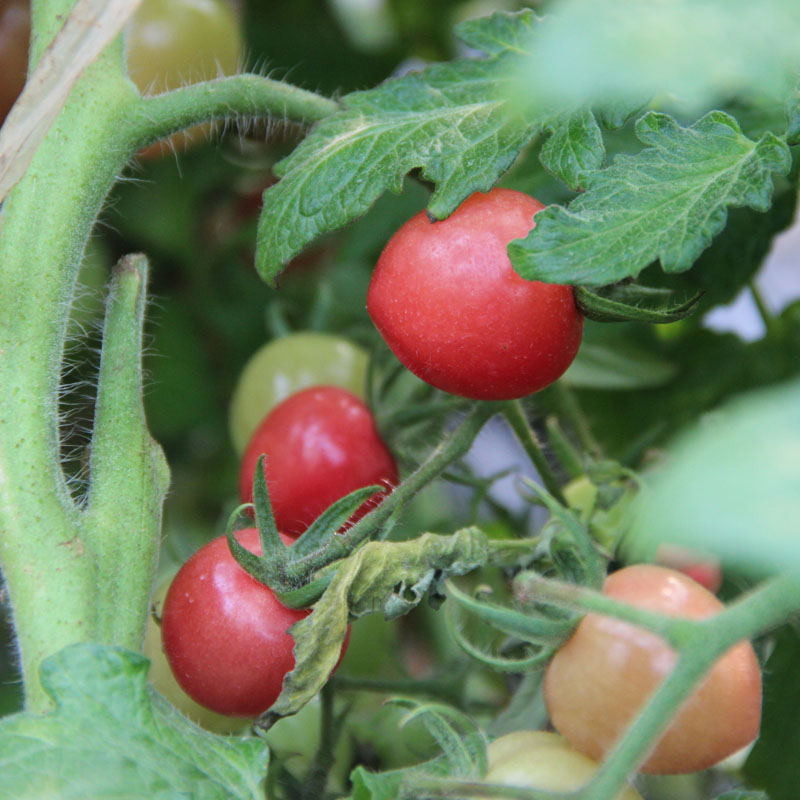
(15, 31)
(601, 678)
(320, 444)
(450, 306)
(225, 634)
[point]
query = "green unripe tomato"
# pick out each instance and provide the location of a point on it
(163, 680)
(287, 365)
(540, 760)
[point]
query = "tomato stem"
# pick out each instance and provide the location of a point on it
(161, 115)
(514, 413)
(568, 403)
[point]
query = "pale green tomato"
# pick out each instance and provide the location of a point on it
(161, 677)
(287, 365)
(540, 760)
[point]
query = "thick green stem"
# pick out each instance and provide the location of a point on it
(47, 219)
(519, 424)
(239, 96)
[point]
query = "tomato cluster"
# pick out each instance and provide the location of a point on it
(224, 633)
(448, 303)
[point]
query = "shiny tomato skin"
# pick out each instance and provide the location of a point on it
(225, 634)
(452, 309)
(320, 444)
(287, 365)
(601, 678)
(542, 760)
(15, 32)
(161, 677)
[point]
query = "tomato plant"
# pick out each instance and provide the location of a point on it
(226, 635)
(664, 166)
(287, 365)
(542, 760)
(448, 303)
(604, 674)
(320, 444)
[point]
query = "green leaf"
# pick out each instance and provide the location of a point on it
(575, 148)
(740, 794)
(498, 33)
(389, 785)
(772, 763)
(451, 121)
(731, 486)
(113, 737)
(633, 303)
(667, 202)
(462, 741)
(389, 576)
(698, 52)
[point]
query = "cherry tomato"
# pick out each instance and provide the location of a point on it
(163, 680)
(320, 444)
(15, 33)
(450, 306)
(602, 677)
(540, 760)
(287, 365)
(225, 634)
(172, 43)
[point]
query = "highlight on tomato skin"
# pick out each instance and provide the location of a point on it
(319, 445)
(225, 634)
(452, 309)
(603, 676)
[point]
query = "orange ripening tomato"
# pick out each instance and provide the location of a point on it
(603, 676)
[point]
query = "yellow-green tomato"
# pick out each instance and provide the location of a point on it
(541, 760)
(287, 365)
(163, 680)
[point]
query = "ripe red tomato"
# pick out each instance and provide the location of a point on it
(450, 306)
(15, 31)
(601, 678)
(320, 444)
(225, 634)
(541, 760)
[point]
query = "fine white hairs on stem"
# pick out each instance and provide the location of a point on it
(91, 25)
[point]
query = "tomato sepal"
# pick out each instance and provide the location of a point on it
(631, 302)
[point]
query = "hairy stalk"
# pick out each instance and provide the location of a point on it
(239, 96)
